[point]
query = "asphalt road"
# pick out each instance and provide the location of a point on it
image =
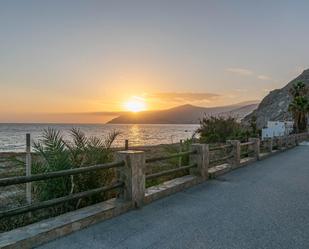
(264, 205)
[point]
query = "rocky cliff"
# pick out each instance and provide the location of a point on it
(274, 107)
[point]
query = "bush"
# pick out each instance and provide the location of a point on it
(219, 129)
(56, 154)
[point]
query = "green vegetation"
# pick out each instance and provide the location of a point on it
(56, 154)
(299, 107)
(219, 129)
(53, 153)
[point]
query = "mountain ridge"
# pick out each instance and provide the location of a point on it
(183, 114)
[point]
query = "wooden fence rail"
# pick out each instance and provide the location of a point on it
(171, 171)
(176, 155)
(50, 175)
(56, 201)
(222, 147)
(246, 143)
(221, 159)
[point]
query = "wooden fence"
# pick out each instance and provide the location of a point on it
(130, 166)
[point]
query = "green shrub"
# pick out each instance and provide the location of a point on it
(214, 130)
(57, 154)
(219, 129)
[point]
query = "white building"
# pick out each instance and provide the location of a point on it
(277, 129)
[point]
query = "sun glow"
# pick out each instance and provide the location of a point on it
(135, 104)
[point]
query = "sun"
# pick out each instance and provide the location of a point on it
(135, 104)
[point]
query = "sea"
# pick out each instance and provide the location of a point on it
(13, 136)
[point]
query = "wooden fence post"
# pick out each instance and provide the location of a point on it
(28, 168)
(280, 143)
(180, 150)
(201, 158)
(256, 147)
(294, 143)
(270, 145)
(235, 161)
(286, 142)
(133, 175)
(126, 144)
(296, 139)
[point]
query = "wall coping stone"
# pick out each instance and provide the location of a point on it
(169, 187)
(38, 233)
(219, 170)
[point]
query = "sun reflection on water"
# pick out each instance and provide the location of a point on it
(135, 134)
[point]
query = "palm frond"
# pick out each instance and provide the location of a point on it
(95, 142)
(79, 138)
(18, 162)
(110, 139)
(52, 141)
(52, 148)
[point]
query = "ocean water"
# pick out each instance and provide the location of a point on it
(13, 136)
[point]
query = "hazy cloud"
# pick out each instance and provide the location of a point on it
(247, 72)
(96, 113)
(240, 71)
(264, 77)
(241, 90)
(185, 97)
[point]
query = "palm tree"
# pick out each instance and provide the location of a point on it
(299, 107)
(54, 154)
(299, 89)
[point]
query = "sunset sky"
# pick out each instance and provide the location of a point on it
(75, 61)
